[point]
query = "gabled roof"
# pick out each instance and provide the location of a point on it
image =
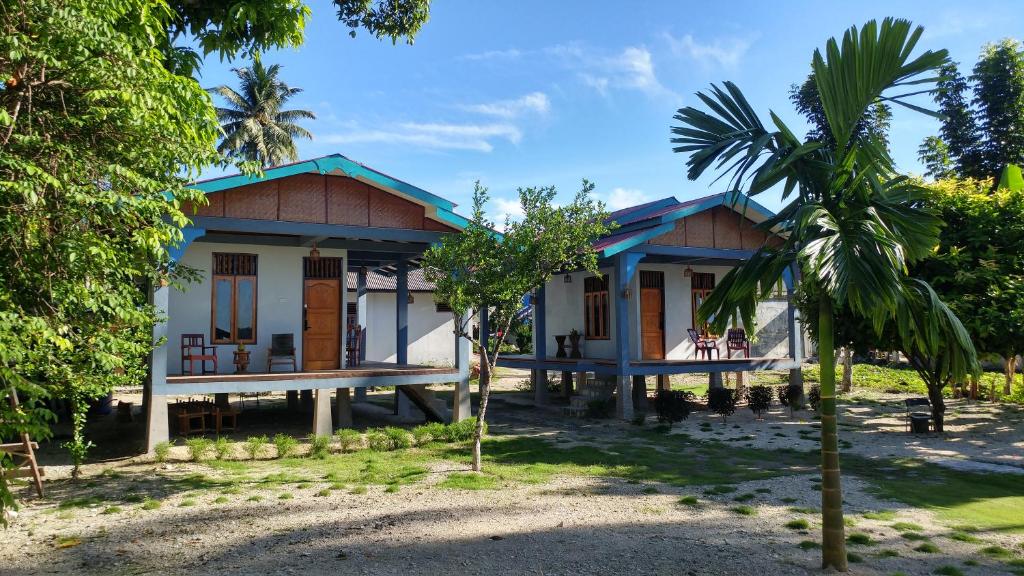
(337, 163)
(638, 224)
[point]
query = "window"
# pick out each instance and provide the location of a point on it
(234, 298)
(442, 307)
(701, 284)
(595, 308)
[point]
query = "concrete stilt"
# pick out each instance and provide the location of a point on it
(624, 402)
(292, 397)
(343, 408)
(306, 400)
(715, 380)
(403, 406)
(639, 392)
(156, 422)
(581, 382)
(322, 412)
(540, 386)
(360, 394)
(461, 405)
(221, 399)
(663, 382)
(567, 384)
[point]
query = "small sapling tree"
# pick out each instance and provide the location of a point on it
(759, 399)
(481, 268)
(722, 401)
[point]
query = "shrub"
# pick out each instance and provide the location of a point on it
(222, 448)
(428, 433)
(689, 500)
(722, 401)
(399, 438)
(462, 431)
(928, 548)
(814, 396)
(319, 446)
(744, 510)
(254, 445)
(162, 450)
(759, 399)
(349, 440)
(199, 448)
(860, 539)
(285, 445)
(673, 405)
(798, 524)
(377, 440)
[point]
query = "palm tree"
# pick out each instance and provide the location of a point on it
(852, 223)
(255, 126)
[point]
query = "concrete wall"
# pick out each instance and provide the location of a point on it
(431, 333)
(278, 301)
(565, 312)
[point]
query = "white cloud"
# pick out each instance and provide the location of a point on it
(631, 69)
(505, 208)
(534, 102)
(509, 54)
(956, 23)
(477, 137)
(620, 198)
(726, 52)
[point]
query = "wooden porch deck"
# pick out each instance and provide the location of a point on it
(647, 367)
(367, 374)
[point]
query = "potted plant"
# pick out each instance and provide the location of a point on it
(574, 341)
(241, 359)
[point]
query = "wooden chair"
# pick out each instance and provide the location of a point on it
(281, 351)
(703, 345)
(225, 418)
(194, 349)
(23, 454)
(353, 339)
(910, 404)
(736, 339)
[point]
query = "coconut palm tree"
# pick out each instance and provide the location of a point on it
(255, 126)
(852, 223)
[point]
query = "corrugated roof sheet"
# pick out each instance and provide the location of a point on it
(376, 282)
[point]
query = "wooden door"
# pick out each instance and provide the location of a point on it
(321, 333)
(652, 315)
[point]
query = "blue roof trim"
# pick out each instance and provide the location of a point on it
(323, 165)
(647, 209)
(189, 234)
(671, 217)
(739, 200)
(638, 239)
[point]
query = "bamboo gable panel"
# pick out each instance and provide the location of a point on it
(389, 211)
(435, 226)
(727, 228)
(674, 237)
(303, 198)
(700, 230)
(254, 201)
(751, 237)
(348, 201)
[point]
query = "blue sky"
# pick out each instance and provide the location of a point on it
(546, 93)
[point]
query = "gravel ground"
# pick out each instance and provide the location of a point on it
(568, 525)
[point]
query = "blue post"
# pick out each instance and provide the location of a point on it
(625, 268)
(540, 347)
(402, 314)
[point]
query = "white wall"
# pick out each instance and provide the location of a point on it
(431, 333)
(565, 312)
(278, 301)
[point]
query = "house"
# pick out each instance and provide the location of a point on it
(657, 267)
(271, 254)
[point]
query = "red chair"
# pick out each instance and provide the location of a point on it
(736, 339)
(703, 345)
(194, 349)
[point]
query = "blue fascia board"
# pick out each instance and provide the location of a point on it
(652, 207)
(220, 224)
(696, 252)
(638, 239)
(738, 201)
(189, 234)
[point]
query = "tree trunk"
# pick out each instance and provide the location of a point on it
(485, 394)
(1011, 369)
(974, 387)
(833, 532)
(847, 369)
(938, 405)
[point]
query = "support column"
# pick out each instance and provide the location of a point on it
(639, 392)
(581, 382)
(663, 382)
(566, 384)
(403, 406)
(402, 314)
(292, 397)
(715, 380)
(796, 336)
(157, 429)
(625, 268)
(462, 408)
(343, 407)
(540, 347)
(361, 315)
(322, 412)
(306, 400)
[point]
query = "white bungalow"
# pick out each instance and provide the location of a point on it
(272, 254)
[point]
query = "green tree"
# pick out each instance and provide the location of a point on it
(97, 141)
(979, 264)
(255, 126)
(480, 269)
(853, 223)
(983, 133)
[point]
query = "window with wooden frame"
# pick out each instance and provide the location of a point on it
(701, 284)
(234, 298)
(595, 308)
